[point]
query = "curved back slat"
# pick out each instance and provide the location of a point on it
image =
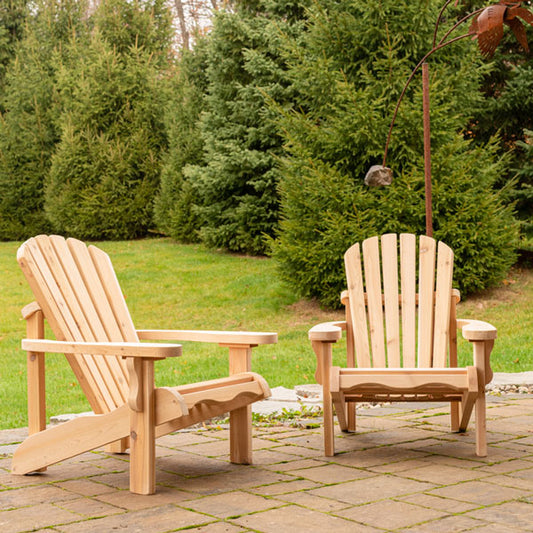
(389, 251)
(408, 298)
(80, 299)
(443, 300)
(419, 335)
(356, 295)
(375, 301)
(426, 290)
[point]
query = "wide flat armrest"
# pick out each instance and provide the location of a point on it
(247, 338)
(120, 349)
(327, 331)
(476, 330)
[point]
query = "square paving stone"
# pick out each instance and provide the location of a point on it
(304, 499)
(88, 507)
(245, 477)
(439, 503)
(372, 489)
(154, 520)
(294, 464)
(34, 517)
(506, 467)
(13, 499)
(232, 504)
(449, 524)
(294, 518)
(85, 487)
(479, 492)
(218, 527)
(442, 474)
(376, 456)
(519, 514)
(283, 487)
(133, 502)
(331, 473)
(390, 514)
(524, 482)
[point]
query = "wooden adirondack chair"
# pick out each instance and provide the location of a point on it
(402, 354)
(77, 292)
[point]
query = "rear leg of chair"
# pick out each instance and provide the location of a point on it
(454, 416)
(469, 398)
(351, 415)
(339, 402)
(481, 425)
(119, 446)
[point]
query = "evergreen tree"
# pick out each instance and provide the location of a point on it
(507, 111)
(236, 187)
(175, 211)
(105, 172)
(349, 71)
(28, 131)
(12, 18)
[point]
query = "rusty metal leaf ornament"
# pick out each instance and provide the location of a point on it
(487, 27)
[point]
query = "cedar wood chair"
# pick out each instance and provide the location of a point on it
(77, 292)
(395, 353)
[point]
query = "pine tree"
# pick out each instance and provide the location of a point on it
(349, 71)
(13, 15)
(105, 171)
(28, 126)
(236, 186)
(175, 212)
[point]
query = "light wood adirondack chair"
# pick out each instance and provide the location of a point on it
(394, 352)
(77, 292)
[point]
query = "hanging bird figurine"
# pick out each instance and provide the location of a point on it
(487, 27)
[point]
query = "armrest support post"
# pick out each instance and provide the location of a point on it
(142, 426)
(36, 375)
(240, 420)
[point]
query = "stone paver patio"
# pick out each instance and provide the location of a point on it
(403, 471)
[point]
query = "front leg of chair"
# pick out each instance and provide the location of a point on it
(142, 425)
(323, 351)
(482, 351)
(35, 373)
(240, 420)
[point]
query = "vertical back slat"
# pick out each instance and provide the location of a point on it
(389, 260)
(426, 285)
(90, 327)
(375, 303)
(443, 296)
(408, 298)
(354, 278)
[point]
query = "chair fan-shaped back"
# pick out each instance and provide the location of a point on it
(79, 294)
(399, 319)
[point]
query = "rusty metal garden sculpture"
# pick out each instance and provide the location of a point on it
(487, 28)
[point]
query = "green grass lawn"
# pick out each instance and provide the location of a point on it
(187, 287)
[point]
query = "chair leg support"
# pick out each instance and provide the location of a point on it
(142, 434)
(323, 351)
(240, 420)
(240, 435)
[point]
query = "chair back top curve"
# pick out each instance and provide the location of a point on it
(396, 318)
(77, 289)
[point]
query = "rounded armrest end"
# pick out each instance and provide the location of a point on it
(327, 331)
(477, 330)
